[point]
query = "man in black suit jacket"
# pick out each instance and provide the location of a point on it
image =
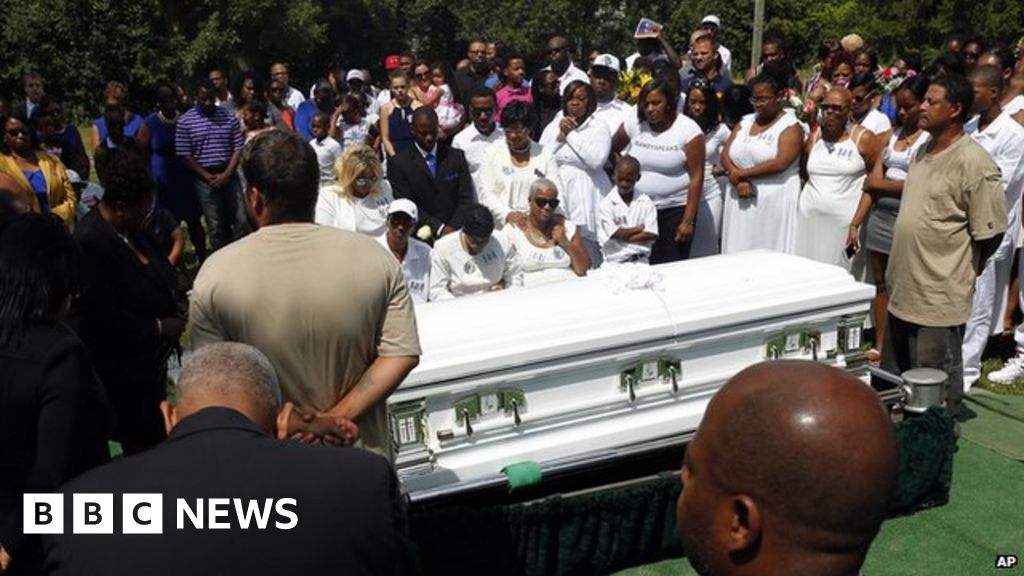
(434, 176)
(348, 516)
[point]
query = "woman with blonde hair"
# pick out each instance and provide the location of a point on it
(359, 201)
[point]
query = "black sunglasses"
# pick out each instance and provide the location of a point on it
(14, 132)
(545, 203)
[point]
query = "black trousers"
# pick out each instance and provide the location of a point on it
(665, 248)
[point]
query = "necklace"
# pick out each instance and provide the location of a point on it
(165, 119)
(536, 236)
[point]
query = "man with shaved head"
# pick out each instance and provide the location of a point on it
(1003, 138)
(790, 472)
(256, 504)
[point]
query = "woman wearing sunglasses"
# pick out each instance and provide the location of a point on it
(43, 182)
(580, 144)
(359, 202)
(864, 88)
(839, 155)
(549, 247)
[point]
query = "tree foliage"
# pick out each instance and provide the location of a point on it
(79, 44)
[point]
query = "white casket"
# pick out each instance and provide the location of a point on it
(577, 372)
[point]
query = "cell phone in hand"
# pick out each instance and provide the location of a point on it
(850, 251)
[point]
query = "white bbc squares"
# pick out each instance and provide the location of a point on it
(43, 514)
(92, 514)
(142, 514)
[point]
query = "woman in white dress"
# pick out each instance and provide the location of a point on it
(703, 107)
(511, 167)
(549, 248)
(359, 201)
(839, 156)
(580, 144)
(883, 189)
(762, 159)
(670, 149)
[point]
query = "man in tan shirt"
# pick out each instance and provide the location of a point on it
(329, 308)
(952, 218)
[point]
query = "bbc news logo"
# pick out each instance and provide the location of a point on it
(144, 514)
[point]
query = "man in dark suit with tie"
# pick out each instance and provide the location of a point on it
(346, 516)
(434, 176)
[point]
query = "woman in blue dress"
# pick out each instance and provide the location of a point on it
(116, 94)
(175, 189)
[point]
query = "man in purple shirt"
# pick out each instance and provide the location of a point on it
(210, 140)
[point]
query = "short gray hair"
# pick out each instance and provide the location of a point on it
(542, 183)
(229, 368)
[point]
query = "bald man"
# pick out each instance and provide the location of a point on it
(345, 516)
(790, 472)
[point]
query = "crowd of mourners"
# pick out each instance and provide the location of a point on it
(321, 215)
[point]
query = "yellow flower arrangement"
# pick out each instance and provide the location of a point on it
(630, 84)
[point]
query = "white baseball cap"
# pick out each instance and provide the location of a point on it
(607, 61)
(404, 206)
(355, 74)
(712, 19)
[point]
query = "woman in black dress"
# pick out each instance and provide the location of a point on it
(54, 418)
(129, 318)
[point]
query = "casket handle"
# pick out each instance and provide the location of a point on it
(630, 389)
(814, 348)
(465, 419)
(515, 414)
(675, 379)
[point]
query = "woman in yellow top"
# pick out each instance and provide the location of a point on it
(43, 183)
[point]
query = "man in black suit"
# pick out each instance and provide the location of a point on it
(434, 176)
(346, 517)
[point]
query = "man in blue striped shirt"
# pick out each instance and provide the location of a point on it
(209, 138)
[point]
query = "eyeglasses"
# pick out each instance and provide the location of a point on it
(859, 99)
(362, 181)
(831, 108)
(15, 132)
(758, 101)
(546, 203)
(483, 111)
(422, 75)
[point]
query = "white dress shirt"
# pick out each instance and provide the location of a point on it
(505, 187)
(615, 214)
(476, 146)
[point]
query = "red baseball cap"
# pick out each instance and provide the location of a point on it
(392, 62)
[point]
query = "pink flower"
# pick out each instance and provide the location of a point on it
(911, 73)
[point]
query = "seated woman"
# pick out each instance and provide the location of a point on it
(54, 417)
(548, 247)
(129, 318)
(42, 180)
(511, 167)
(359, 202)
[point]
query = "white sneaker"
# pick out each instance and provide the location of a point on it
(1012, 370)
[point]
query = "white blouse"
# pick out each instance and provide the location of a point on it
(367, 215)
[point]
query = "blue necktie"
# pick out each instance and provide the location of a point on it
(432, 165)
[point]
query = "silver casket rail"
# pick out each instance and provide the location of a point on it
(574, 373)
